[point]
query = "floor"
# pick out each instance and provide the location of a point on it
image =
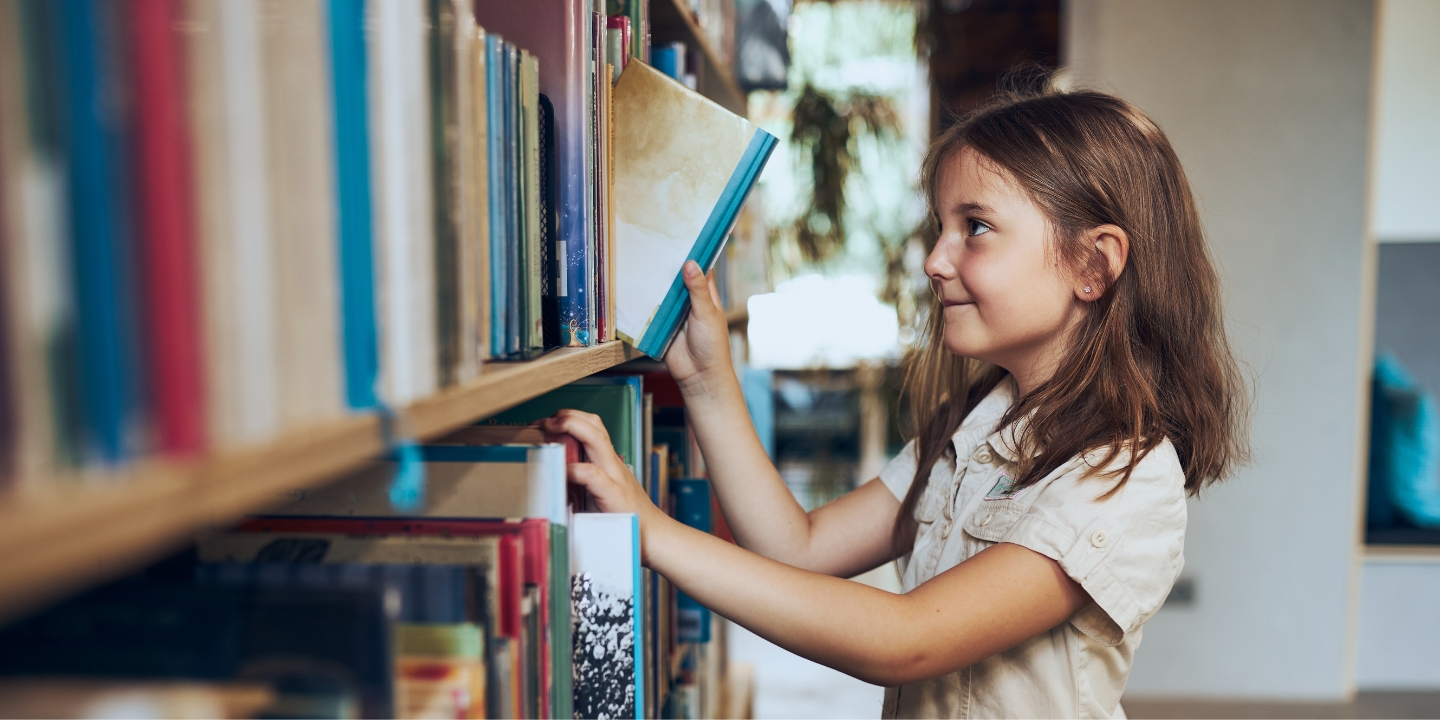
(1386, 704)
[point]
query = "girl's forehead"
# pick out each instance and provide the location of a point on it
(968, 177)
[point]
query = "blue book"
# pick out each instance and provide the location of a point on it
(93, 136)
(664, 131)
(360, 341)
(692, 508)
(495, 146)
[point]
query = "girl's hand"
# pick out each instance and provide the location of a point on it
(606, 476)
(701, 349)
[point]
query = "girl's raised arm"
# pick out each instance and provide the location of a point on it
(843, 538)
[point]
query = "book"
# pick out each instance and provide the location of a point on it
(232, 221)
(666, 133)
(439, 670)
(167, 246)
(36, 320)
(606, 595)
(297, 97)
(504, 481)
(94, 134)
(616, 402)
(692, 508)
(349, 76)
(403, 207)
(463, 187)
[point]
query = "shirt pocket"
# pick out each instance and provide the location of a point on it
(992, 518)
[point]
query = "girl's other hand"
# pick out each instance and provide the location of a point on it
(606, 476)
(701, 349)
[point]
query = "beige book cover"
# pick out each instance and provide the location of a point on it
(298, 127)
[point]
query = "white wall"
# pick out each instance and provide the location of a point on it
(1267, 103)
(1407, 179)
(1400, 626)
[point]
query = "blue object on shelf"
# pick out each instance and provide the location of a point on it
(1404, 483)
(692, 508)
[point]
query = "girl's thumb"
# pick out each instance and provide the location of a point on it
(701, 302)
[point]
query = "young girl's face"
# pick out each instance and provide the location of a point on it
(1006, 299)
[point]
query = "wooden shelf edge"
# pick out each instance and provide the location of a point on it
(1402, 553)
(61, 536)
(729, 94)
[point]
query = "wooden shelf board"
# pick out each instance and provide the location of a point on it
(671, 20)
(1402, 553)
(64, 534)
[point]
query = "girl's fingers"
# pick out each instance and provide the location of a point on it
(592, 435)
(704, 299)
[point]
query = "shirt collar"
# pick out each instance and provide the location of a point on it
(982, 421)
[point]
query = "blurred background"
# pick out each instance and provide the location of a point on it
(1312, 578)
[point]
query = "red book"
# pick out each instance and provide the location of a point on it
(167, 250)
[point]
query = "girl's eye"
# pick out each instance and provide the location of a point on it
(976, 227)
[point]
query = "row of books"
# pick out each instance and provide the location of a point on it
(222, 220)
(492, 599)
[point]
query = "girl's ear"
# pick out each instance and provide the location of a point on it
(1111, 248)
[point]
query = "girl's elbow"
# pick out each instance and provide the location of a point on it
(899, 667)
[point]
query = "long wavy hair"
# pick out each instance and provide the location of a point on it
(1149, 360)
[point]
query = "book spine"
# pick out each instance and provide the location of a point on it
(353, 193)
(167, 229)
(534, 268)
(481, 173)
(692, 508)
(495, 101)
(100, 252)
(551, 264)
(461, 150)
(298, 94)
(243, 265)
(514, 221)
(572, 250)
(442, 131)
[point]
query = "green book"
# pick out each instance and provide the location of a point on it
(616, 399)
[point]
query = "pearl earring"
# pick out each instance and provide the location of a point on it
(1087, 288)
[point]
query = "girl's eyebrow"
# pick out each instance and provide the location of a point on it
(974, 208)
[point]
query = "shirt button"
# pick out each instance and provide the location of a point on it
(984, 457)
(986, 520)
(1099, 539)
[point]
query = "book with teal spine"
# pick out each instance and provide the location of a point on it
(683, 168)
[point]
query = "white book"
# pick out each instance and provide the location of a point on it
(606, 611)
(227, 120)
(298, 92)
(400, 82)
(461, 481)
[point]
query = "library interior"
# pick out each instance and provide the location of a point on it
(288, 289)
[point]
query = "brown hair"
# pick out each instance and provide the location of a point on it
(1149, 360)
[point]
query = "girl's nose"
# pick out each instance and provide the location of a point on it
(938, 265)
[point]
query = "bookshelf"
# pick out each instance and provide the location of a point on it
(672, 20)
(61, 535)
(69, 533)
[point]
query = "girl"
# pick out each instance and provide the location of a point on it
(1074, 387)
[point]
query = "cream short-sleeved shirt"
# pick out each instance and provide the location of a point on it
(1125, 551)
